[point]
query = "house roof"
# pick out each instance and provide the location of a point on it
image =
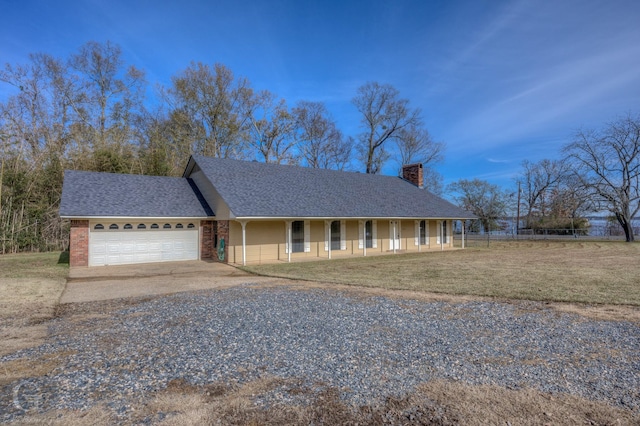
(93, 194)
(253, 189)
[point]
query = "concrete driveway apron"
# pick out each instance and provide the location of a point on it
(88, 284)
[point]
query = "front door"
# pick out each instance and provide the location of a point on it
(394, 235)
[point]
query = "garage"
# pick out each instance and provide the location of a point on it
(142, 242)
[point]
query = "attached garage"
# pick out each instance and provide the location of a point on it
(128, 219)
(140, 242)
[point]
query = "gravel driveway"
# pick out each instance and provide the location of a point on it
(368, 347)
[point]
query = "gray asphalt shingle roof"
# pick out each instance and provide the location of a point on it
(253, 189)
(93, 194)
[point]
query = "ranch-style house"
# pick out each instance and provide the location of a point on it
(248, 212)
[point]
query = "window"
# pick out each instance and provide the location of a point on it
(99, 226)
(335, 235)
(191, 226)
(166, 226)
(368, 233)
(128, 226)
(154, 226)
(423, 232)
(443, 232)
(113, 226)
(179, 226)
(297, 236)
(142, 226)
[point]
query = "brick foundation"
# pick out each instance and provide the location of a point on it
(79, 243)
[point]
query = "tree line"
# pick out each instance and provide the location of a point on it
(92, 111)
(599, 172)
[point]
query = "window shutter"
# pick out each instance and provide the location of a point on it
(374, 233)
(343, 235)
(361, 226)
(416, 228)
(391, 236)
(307, 236)
(426, 233)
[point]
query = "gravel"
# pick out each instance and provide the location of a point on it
(367, 347)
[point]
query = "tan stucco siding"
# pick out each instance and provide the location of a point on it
(263, 241)
(266, 241)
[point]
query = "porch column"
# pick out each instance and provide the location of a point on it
(442, 235)
(364, 237)
(243, 223)
(462, 221)
(328, 236)
(289, 240)
(419, 236)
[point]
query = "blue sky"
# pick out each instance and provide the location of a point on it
(497, 81)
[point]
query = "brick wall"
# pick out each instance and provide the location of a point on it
(206, 240)
(79, 243)
(413, 174)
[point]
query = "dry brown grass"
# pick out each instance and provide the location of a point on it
(30, 287)
(434, 403)
(557, 271)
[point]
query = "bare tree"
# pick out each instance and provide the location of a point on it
(211, 103)
(415, 145)
(607, 163)
(485, 200)
(271, 128)
(321, 144)
(538, 181)
(384, 115)
(112, 95)
(433, 180)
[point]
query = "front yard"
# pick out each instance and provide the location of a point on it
(555, 271)
(452, 345)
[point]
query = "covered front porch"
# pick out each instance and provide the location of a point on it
(254, 241)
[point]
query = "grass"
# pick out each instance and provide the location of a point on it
(558, 271)
(434, 403)
(51, 265)
(30, 287)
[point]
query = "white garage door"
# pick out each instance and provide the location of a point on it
(125, 246)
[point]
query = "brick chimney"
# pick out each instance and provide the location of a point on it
(413, 174)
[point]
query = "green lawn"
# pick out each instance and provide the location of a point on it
(564, 271)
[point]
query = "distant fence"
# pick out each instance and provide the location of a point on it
(539, 234)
